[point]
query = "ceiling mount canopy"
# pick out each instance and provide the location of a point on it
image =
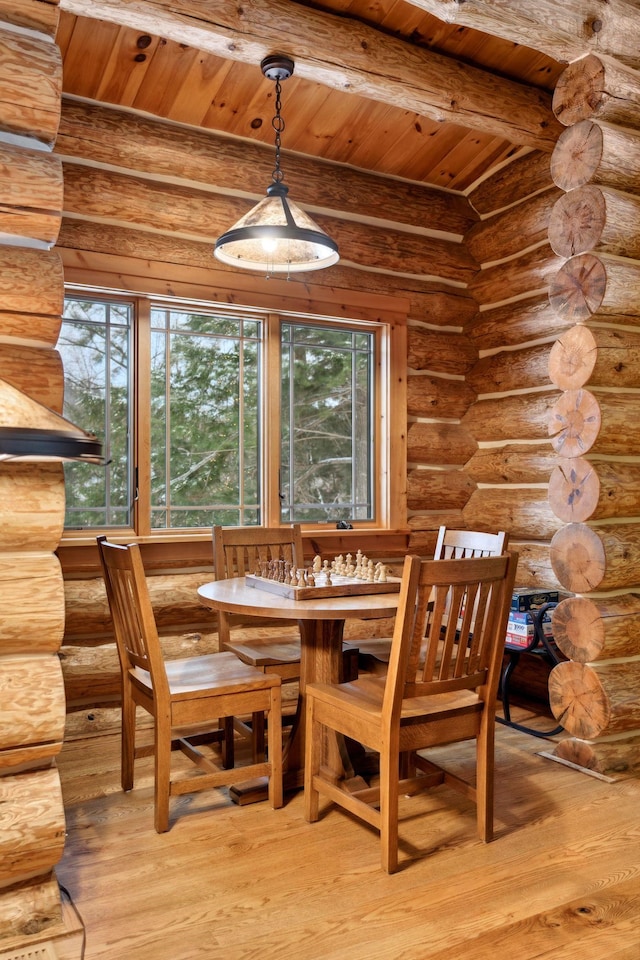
(276, 236)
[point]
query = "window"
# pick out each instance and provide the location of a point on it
(326, 423)
(96, 345)
(205, 419)
(194, 430)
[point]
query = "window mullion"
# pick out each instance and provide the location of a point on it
(142, 425)
(271, 399)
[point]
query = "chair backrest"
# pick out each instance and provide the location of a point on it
(450, 627)
(456, 544)
(238, 551)
(131, 611)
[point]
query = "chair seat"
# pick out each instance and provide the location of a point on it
(378, 647)
(266, 652)
(366, 695)
(217, 673)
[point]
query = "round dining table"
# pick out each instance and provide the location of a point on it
(321, 622)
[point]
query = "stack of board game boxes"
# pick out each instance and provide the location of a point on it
(520, 627)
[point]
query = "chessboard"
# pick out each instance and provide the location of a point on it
(349, 576)
(340, 586)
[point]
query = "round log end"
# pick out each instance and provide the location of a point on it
(577, 700)
(577, 290)
(580, 90)
(574, 490)
(578, 629)
(574, 423)
(578, 558)
(577, 155)
(577, 220)
(615, 760)
(572, 358)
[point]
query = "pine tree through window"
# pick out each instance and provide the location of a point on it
(195, 432)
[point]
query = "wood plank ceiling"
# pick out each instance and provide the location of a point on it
(154, 75)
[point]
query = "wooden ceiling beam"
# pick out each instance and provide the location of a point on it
(345, 55)
(563, 29)
(123, 141)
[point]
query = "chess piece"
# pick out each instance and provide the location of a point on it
(317, 563)
(380, 573)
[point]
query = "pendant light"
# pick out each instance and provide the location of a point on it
(23, 443)
(276, 236)
(32, 432)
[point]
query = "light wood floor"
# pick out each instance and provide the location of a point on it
(561, 880)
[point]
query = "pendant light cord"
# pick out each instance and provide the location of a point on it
(278, 125)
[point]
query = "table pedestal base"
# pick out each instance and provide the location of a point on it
(321, 660)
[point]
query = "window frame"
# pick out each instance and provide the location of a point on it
(389, 462)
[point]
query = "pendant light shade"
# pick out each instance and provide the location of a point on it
(36, 446)
(31, 432)
(276, 236)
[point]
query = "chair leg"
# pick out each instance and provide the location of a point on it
(228, 744)
(389, 764)
(485, 761)
(162, 773)
(127, 740)
(407, 766)
(258, 736)
(311, 764)
(274, 733)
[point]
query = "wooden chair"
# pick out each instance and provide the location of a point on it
(238, 551)
(450, 544)
(461, 606)
(186, 698)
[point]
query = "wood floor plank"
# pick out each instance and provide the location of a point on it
(561, 880)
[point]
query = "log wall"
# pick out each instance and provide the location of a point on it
(593, 487)
(32, 700)
(513, 332)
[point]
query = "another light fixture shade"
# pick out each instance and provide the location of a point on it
(32, 432)
(26, 444)
(276, 236)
